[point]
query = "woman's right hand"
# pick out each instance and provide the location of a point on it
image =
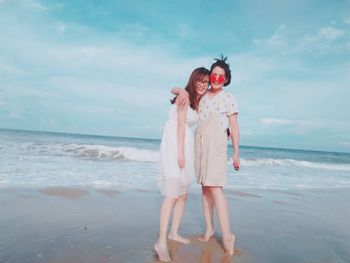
(236, 163)
(181, 161)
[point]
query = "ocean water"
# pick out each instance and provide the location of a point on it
(40, 159)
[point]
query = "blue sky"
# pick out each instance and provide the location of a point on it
(106, 67)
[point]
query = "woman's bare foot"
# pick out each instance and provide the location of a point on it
(208, 235)
(229, 244)
(179, 238)
(162, 252)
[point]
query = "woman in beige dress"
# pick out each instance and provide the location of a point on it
(218, 110)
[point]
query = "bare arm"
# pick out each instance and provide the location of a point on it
(181, 118)
(177, 90)
(182, 96)
(233, 122)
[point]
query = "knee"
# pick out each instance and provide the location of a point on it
(183, 197)
(215, 190)
(170, 200)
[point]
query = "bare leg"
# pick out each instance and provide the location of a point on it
(220, 201)
(208, 210)
(161, 246)
(179, 209)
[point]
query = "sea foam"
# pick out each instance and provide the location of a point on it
(103, 152)
(291, 162)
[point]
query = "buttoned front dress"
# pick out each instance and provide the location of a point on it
(211, 138)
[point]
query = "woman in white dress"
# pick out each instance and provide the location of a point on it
(176, 164)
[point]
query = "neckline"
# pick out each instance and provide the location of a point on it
(217, 94)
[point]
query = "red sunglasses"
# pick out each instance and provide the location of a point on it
(220, 79)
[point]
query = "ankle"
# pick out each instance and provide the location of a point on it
(209, 229)
(161, 243)
(228, 236)
(173, 233)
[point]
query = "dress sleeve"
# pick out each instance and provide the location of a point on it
(231, 104)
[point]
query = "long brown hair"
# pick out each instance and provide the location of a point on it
(197, 74)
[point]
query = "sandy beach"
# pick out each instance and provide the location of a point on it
(106, 225)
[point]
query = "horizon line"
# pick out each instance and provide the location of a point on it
(158, 139)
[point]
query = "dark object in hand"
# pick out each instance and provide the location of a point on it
(228, 133)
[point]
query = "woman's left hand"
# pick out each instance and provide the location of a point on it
(182, 98)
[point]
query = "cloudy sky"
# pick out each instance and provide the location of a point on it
(106, 67)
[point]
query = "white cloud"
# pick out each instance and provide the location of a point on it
(184, 31)
(281, 122)
(14, 115)
(34, 5)
(89, 110)
(61, 27)
(344, 143)
(110, 74)
(247, 132)
(9, 68)
(248, 68)
(276, 40)
(288, 41)
(347, 20)
(347, 45)
(324, 39)
(129, 81)
(331, 33)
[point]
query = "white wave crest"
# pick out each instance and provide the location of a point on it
(101, 152)
(104, 152)
(291, 162)
(113, 153)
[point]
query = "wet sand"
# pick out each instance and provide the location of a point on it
(107, 225)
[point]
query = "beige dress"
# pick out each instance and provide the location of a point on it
(211, 138)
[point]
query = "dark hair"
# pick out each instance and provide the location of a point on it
(197, 74)
(221, 62)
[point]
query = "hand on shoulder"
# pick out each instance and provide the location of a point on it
(182, 100)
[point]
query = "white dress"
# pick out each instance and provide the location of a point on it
(174, 181)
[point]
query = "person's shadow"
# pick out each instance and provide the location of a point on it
(212, 252)
(199, 252)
